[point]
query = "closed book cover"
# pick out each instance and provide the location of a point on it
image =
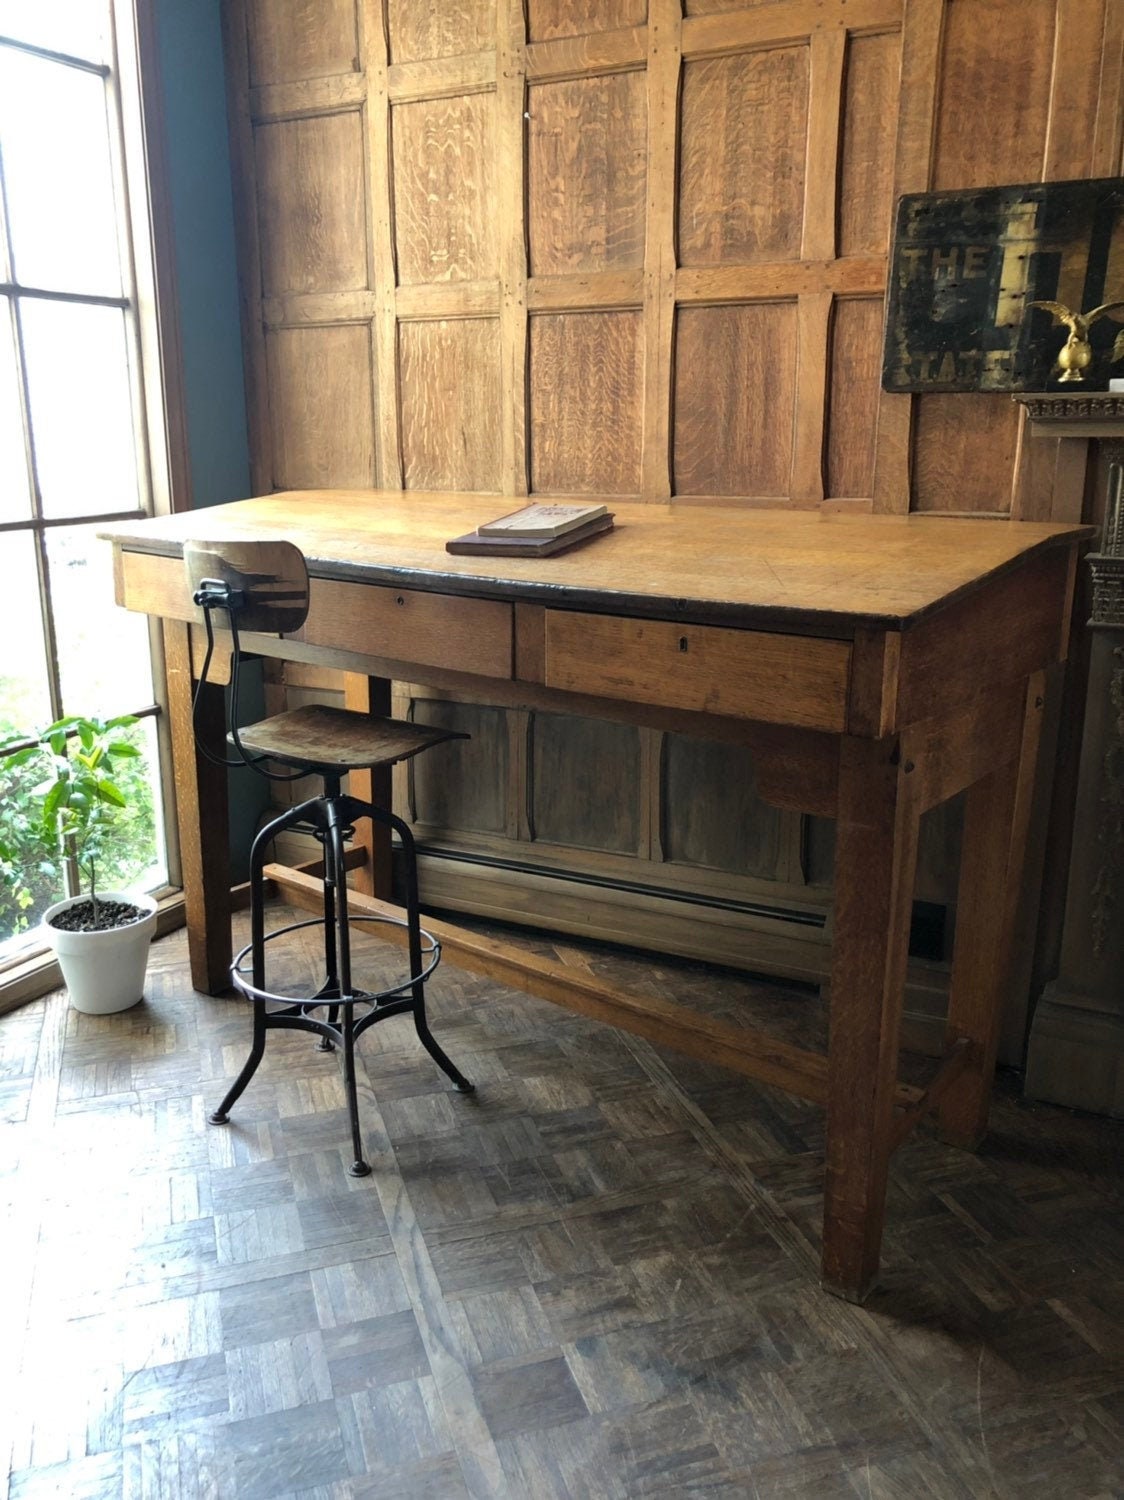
(535, 521)
(476, 545)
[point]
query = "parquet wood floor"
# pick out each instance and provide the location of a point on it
(595, 1278)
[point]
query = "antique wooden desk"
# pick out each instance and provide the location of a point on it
(871, 666)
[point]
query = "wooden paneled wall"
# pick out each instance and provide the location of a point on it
(637, 248)
(615, 248)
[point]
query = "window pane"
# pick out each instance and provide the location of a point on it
(76, 27)
(81, 408)
(25, 703)
(34, 877)
(139, 860)
(104, 663)
(54, 136)
(15, 501)
(34, 880)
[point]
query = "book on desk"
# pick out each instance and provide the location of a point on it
(534, 531)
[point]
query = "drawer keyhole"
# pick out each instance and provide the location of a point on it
(400, 600)
(682, 643)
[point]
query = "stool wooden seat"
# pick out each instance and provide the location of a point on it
(339, 738)
(264, 586)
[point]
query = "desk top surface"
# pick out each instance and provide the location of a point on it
(797, 569)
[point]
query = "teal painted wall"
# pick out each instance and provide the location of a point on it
(189, 42)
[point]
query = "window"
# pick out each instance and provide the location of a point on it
(75, 445)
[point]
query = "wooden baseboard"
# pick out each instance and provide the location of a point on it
(776, 946)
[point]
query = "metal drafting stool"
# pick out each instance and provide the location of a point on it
(263, 586)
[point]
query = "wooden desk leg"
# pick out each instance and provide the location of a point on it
(201, 800)
(996, 817)
(371, 695)
(875, 864)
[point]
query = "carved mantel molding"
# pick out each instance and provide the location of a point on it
(1093, 414)
(1061, 406)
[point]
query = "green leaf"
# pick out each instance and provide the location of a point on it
(122, 747)
(51, 805)
(21, 757)
(110, 793)
(86, 733)
(57, 742)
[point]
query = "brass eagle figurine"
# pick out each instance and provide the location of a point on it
(1076, 354)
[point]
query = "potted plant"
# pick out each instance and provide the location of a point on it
(101, 938)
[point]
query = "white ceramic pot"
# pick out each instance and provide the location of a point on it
(104, 971)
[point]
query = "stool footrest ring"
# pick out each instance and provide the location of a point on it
(431, 951)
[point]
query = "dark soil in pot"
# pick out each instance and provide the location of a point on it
(80, 917)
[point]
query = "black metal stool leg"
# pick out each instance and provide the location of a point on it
(334, 864)
(358, 1168)
(425, 1036)
(331, 962)
(221, 1115)
(417, 989)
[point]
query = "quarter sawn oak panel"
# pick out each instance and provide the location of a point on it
(964, 454)
(444, 217)
(548, 19)
(586, 172)
(586, 395)
(292, 40)
(744, 130)
(731, 376)
(466, 789)
(450, 394)
(991, 125)
(856, 361)
(586, 787)
(310, 187)
(866, 169)
(740, 833)
(423, 29)
(323, 426)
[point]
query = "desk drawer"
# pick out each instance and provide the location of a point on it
(409, 625)
(406, 625)
(779, 679)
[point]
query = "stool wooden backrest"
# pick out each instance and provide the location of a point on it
(273, 578)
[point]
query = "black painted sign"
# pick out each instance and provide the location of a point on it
(966, 266)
